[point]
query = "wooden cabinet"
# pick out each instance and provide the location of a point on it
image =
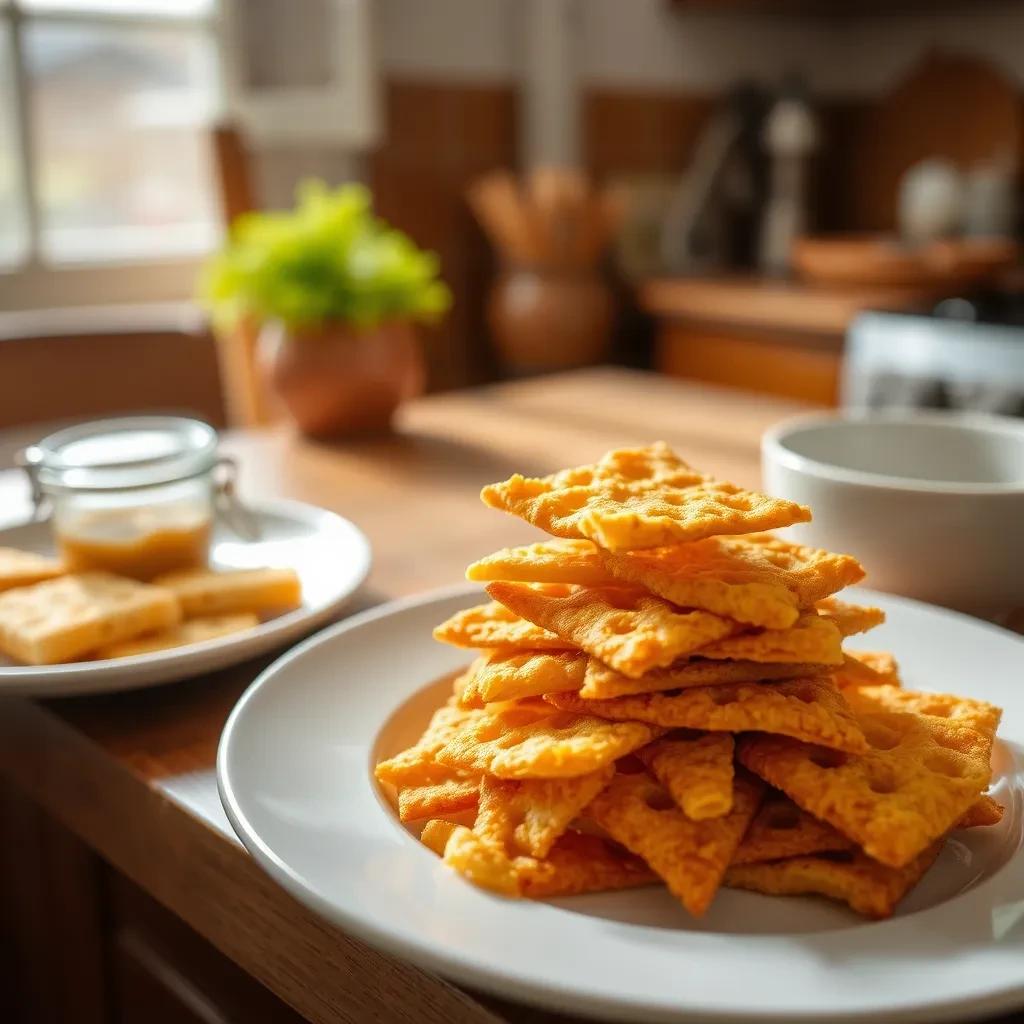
(774, 336)
(80, 944)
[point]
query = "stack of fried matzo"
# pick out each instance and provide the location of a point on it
(661, 693)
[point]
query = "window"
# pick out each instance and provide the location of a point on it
(104, 145)
(106, 170)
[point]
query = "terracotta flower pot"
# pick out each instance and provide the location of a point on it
(548, 320)
(339, 380)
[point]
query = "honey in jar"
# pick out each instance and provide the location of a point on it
(137, 542)
(132, 496)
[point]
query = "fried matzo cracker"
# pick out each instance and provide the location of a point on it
(576, 864)
(781, 829)
(866, 668)
(581, 863)
(812, 638)
(493, 625)
(425, 787)
(512, 675)
(525, 742)
(869, 888)
(810, 709)
(209, 591)
(526, 816)
(23, 568)
(191, 631)
(691, 856)
(550, 561)
(982, 813)
(696, 770)
(601, 682)
(758, 580)
(627, 629)
(978, 714)
(848, 618)
(639, 498)
(920, 775)
(450, 791)
(69, 617)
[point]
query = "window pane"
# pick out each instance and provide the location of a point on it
(119, 121)
(168, 8)
(13, 232)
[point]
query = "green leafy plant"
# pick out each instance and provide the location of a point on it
(328, 259)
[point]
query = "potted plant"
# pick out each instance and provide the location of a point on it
(337, 295)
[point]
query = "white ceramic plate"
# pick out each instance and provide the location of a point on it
(295, 774)
(331, 556)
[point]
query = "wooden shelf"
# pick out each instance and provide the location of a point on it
(830, 8)
(768, 304)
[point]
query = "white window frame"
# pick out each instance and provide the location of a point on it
(345, 112)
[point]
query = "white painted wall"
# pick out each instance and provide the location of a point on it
(646, 44)
(449, 39)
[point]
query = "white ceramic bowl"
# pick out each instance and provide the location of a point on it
(931, 503)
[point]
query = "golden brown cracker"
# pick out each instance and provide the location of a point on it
(810, 709)
(691, 856)
(978, 714)
(866, 668)
(602, 682)
(869, 888)
(526, 816)
(576, 864)
(848, 618)
(982, 813)
(781, 829)
(917, 779)
(627, 629)
(811, 638)
(639, 498)
(451, 791)
(407, 767)
(760, 580)
(436, 833)
(697, 771)
(579, 863)
(492, 625)
(479, 861)
(23, 568)
(224, 591)
(192, 631)
(550, 561)
(525, 742)
(67, 618)
(512, 675)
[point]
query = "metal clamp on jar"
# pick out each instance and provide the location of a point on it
(135, 496)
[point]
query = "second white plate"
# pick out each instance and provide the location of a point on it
(331, 556)
(295, 772)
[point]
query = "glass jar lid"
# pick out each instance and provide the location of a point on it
(123, 453)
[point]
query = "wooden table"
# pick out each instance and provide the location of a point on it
(133, 774)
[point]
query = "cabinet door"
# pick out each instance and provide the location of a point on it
(162, 972)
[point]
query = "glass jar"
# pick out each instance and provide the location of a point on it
(133, 496)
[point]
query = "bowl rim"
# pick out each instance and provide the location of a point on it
(774, 448)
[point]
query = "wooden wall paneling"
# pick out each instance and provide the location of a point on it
(641, 132)
(438, 138)
(52, 941)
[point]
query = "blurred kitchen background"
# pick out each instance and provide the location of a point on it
(813, 198)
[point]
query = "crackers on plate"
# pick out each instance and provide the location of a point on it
(48, 617)
(662, 694)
